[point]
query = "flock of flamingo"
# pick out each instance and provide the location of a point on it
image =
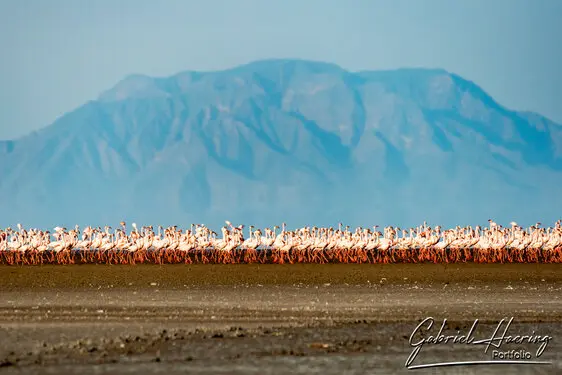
(199, 244)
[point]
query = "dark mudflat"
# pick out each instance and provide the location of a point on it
(259, 319)
(176, 276)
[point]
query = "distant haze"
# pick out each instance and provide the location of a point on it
(58, 54)
(300, 141)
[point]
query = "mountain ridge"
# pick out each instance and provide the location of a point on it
(275, 140)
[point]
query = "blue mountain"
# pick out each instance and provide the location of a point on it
(291, 141)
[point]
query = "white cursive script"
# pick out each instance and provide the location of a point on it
(496, 340)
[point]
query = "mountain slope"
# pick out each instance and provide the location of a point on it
(286, 140)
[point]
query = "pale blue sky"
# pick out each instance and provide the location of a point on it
(57, 54)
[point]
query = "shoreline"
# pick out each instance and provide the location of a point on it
(176, 276)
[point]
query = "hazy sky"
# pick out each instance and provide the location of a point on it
(57, 54)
